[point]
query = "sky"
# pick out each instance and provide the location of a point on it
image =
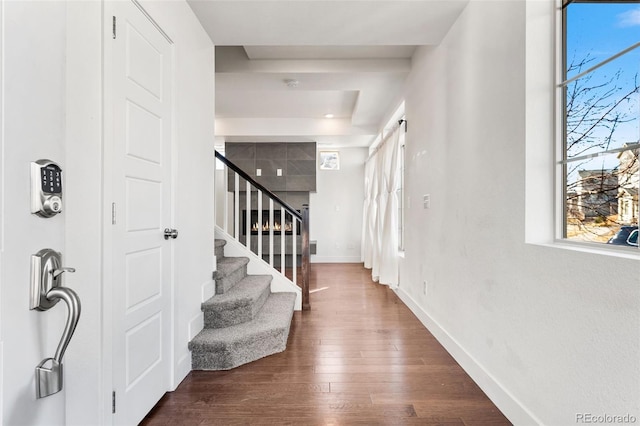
(598, 31)
(603, 29)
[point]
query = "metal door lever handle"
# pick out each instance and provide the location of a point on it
(170, 233)
(73, 315)
(60, 271)
(49, 379)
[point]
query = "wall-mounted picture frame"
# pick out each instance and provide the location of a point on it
(329, 160)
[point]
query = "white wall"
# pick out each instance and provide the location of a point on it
(52, 85)
(33, 127)
(84, 215)
(335, 209)
(547, 332)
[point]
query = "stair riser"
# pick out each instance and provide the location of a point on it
(220, 318)
(240, 353)
(219, 248)
(224, 284)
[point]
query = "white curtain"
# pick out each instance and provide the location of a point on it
(367, 210)
(380, 214)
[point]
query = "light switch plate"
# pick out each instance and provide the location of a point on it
(279, 172)
(258, 172)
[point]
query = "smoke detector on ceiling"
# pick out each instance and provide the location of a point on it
(291, 82)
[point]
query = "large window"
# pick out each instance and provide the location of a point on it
(601, 121)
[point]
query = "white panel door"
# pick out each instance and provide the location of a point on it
(142, 268)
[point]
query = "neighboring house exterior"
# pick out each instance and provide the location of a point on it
(628, 183)
(595, 194)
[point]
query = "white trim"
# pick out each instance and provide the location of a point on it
(107, 197)
(208, 290)
(513, 409)
(183, 368)
(596, 248)
(196, 325)
(541, 130)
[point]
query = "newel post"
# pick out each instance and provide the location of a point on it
(306, 258)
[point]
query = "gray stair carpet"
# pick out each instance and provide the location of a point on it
(239, 304)
(230, 347)
(244, 321)
(219, 248)
(230, 271)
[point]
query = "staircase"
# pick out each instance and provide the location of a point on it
(244, 321)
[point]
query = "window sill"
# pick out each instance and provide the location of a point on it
(594, 248)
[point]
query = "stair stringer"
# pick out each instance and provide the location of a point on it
(258, 266)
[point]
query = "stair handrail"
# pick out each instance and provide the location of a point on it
(261, 187)
(302, 216)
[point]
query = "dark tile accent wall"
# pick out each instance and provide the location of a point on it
(300, 183)
(242, 151)
(297, 161)
(272, 183)
(301, 151)
(301, 168)
(271, 151)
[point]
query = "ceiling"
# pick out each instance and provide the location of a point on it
(281, 65)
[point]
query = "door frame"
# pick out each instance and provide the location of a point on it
(108, 197)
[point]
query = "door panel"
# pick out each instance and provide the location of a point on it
(143, 349)
(144, 277)
(144, 130)
(142, 267)
(144, 207)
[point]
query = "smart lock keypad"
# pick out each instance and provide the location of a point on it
(46, 188)
(51, 178)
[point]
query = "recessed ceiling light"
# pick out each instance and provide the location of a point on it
(291, 82)
(328, 116)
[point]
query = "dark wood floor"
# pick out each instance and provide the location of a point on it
(358, 357)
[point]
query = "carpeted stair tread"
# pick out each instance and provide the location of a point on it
(230, 270)
(266, 334)
(239, 304)
(228, 265)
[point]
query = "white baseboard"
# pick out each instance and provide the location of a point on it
(507, 403)
(335, 259)
(208, 289)
(183, 368)
(196, 325)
